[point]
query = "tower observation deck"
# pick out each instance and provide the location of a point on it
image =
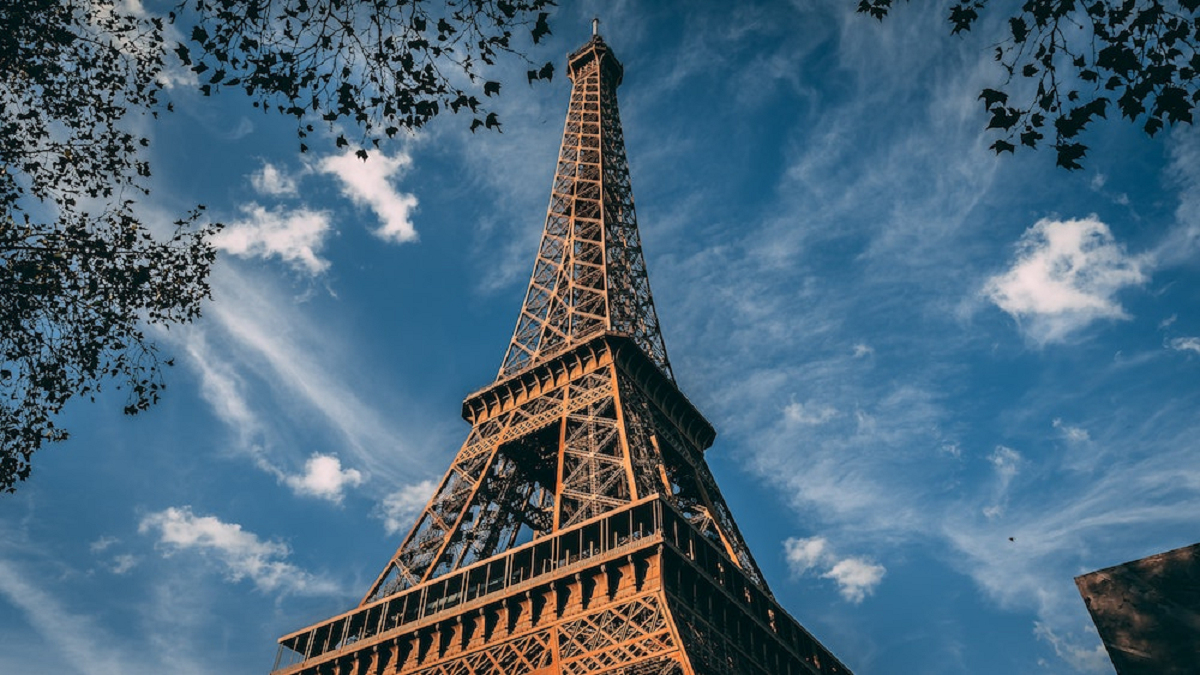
(579, 528)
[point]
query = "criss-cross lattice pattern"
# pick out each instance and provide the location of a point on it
(603, 642)
(527, 654)
(685, 477)
(591, 444)
(590, 274)
(487, 495)
(627, 639)
(579, 530)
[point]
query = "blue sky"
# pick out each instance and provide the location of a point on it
(944, 383)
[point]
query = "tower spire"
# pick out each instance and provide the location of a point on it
(590, 274)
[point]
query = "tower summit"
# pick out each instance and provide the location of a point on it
(579, 529)
(589, 276)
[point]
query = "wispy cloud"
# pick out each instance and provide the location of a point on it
(123, 563)
(1089, 658)
(239, 553)
(367, 182)
(1182, 240)
(1071, 433)
(1006, 463)
(277, 342)
(79, 640)
(1185, 344)
(835, 464)
(118, 563)
(808, 414)
(856, 577)
(265, 370)
(221, 386)
(324, 478)
(1066, 275)
(103, 544)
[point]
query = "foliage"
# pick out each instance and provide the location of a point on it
(1079, 57)
(81, 274)
(380, 66)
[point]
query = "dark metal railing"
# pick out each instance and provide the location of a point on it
(632, 525)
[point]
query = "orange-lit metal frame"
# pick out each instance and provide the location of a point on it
(579, 528)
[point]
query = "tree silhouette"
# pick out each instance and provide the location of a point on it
(381, 66)
(1069, 61)
(81, 274)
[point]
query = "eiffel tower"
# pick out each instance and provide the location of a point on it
(579, 529)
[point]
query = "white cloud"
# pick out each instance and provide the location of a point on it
(856, 577)
(123, 563)
(1006, 460)
(861, 350)
(400, 508)
(296, 237)
(324, 477)
(102, 544)
(808, 415)
(1065, 276)
(118, 564)
(242, 554)
(1007, 464)
(1073, 434)
(366, 183)
(269, 180)
(1185, 344)
(804, 554)
(993, 511)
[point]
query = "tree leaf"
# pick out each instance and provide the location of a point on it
(1069, 154)
(991, 97)
(541, 28)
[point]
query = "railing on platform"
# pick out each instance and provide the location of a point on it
(619, 529)
(630, 528)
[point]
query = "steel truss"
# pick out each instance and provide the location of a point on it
(590, 274)
(636, 591)
(579, 528)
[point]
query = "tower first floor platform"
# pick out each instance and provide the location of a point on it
(638, 590)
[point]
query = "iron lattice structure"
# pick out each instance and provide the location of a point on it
(579, 529)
